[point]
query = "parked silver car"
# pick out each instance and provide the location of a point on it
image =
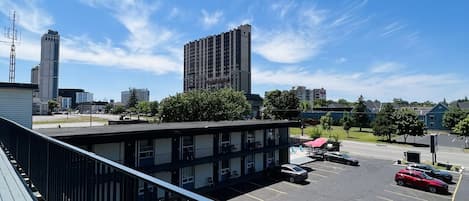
(293, 173)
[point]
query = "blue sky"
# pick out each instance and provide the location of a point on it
(415, 50)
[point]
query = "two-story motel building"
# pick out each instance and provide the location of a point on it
(198, 156)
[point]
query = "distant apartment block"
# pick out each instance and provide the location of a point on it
(303, 93)
(35, 75)
(141, 94)
(219, 61)
(49, 67)
(84, 97)
(71, 93)
(199, 156)
(319, 94)
(65, 103)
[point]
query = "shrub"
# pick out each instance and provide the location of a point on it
(316, 133)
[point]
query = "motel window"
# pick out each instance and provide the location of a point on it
(187, 175)
(225, 137)
(188, 140)
(145, 149)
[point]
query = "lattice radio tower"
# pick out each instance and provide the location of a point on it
(11, 34)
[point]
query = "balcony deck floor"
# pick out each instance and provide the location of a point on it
(11, 186)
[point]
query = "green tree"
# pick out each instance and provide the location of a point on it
(305, 106)
(347, 123)
(143, 107)
(154, 108)
(326, 122)
(407, 123)
(384, 123)
(343, 102)
(204, 105)
(318, 102)
(281, 105)
(453, 116)
(462, 129)
(132, 98)
(359, 113)
(52, 105)
(107, 108)
(118, 109)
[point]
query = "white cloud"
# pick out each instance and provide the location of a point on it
(371, 85)
(29, 15)
(287, 47)
(233, 25)
(283, 7)
(386, 67)
(392, 28)
(175, 12)
(341, 60)
(210, 19)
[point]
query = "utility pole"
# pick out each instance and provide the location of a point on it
(11, 34)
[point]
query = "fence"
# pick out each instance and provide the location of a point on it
(61, 171)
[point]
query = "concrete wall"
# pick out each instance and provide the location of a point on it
(162, 151)
(201, 174)
(236, 140)
(111, 151)
(203, 145)
(16, 105)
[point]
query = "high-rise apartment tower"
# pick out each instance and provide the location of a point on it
(49, 67)
(219, 61)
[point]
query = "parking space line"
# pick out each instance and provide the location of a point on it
(383, 198)
(291, 184)
(420, 191)
(320, 175)
(404, 195)
(246, 194)
(332, 166)
(456, 188)
(267, 187)
(323, 170)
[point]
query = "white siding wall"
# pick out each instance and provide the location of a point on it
(111, 151)
(235, 166)
(203, 146)
(165, 176)
(162, 151)
(236, 140)
(260, 137)
(259, 161)
(202, 173)
(17, 105)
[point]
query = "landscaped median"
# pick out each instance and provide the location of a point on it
(366, 135)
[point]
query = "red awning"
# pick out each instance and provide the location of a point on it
(316, 143)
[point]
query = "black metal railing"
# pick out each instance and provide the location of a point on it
(60, 171)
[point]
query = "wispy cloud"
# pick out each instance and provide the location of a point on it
(283, 7)
(175, 12)
(392, 28)
(371, 85)
(341, 60)
(210, 19)
(386, 67)
(30, 15)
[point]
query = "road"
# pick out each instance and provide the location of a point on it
(395, 152)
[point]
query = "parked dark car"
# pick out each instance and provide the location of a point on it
(340, 158)
(432, 172)
(293, 173)
(420, 180)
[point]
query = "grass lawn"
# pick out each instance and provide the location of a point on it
(72, 120)
(354, 133)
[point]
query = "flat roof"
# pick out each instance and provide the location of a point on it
(18, 85)
(162, 127)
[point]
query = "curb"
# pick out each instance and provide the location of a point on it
(457, 187)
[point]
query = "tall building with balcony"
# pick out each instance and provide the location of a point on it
(319, 94)
(49, 67)
(219, 61)
(303, 93)
(141, 94)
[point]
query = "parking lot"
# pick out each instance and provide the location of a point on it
(372, 180)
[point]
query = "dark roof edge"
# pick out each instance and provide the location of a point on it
(18, 85)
